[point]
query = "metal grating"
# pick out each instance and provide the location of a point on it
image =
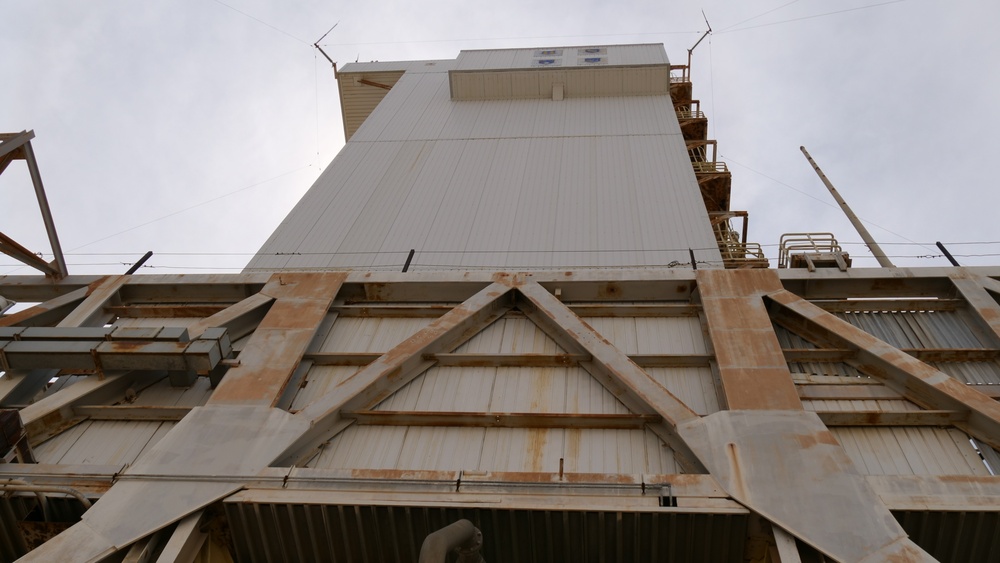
(295, 532)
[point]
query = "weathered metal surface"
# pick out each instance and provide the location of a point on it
(276, 347)
(912, 378)
(752, 368)
(200, 355)
(230, 441)
(882, 418)
(398, 366)
(48, 312)
(90, 311)
(622, 376)
(984, 307)
(239, 319)
(759, 457)
(503, 419)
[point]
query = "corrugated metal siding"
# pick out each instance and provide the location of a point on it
(390, 534)
(600, 182)
(439, 448)
(910, 451)
(109, 442)
(102, 442)
(928, 329)
(954, 537)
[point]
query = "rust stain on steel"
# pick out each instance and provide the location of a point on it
(752, 366)
(537, 440)
(276, 347)
(610, 290)
(807, 441)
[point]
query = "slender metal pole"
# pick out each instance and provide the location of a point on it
(948, 255)
(883, 260)
(43, 205)
(135, 267)
(409, 258)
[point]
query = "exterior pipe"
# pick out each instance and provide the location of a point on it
(461, 536)
(883, 260)
(18, 485)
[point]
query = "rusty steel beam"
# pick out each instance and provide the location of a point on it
(47, 313)
(752, 367)
(301, 302)
(504, 419)
(922, 354)
(239, 319)
(91, 312)
(891, 418)
(397, 367)
(907, 375)
(12, 248)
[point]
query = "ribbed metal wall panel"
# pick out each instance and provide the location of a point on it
(506, 184)
(694, 386)
(102, 442)
(910, 451)
(934, 329)
(439, 448)
(269, 533)
(954, 537)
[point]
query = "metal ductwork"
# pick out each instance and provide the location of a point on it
(461, 536)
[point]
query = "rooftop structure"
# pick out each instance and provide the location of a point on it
(516, 298)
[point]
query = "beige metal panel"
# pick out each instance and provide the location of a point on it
(489, 340)
(551, 390)
(102, 442)
(363, 447)
(910, 451)
(371, 334)
(979, 373)
(938, 329)
(446, 389)
(497, 449)
(162, 393)
(321, 380)
(694, 386)
(620, 331)
(867, 405)
(360, 94)
(669, 335)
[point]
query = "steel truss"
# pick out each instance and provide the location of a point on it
(762, 471)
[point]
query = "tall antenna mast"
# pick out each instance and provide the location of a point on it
(316, 44)
(702, 38)
(883, 260)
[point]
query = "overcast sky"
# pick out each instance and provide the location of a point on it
(191, 127)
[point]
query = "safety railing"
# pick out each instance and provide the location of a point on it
(806, 243)
(709, 167)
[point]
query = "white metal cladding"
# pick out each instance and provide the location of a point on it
(639, 54)
(509, 184)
